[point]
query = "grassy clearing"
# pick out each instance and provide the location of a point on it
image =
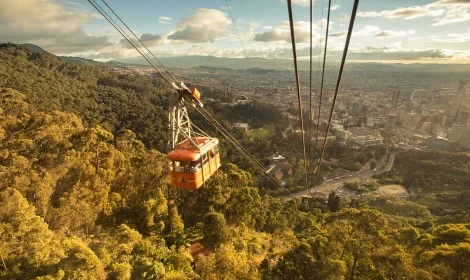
(261, 133)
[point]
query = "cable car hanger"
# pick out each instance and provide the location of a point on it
(180, 124)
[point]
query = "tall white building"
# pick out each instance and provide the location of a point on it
(456, 132)
(465, 139)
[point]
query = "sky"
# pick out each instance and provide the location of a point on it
(408, 31)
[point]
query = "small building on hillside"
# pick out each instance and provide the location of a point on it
(279, 167)
(280, 170)
(243, 100)
(196, 250)
(245, 127)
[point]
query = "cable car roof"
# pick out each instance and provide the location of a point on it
(186, 151)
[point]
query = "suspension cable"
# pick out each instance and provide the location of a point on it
(202, 111)
(222, 129)
(338, 82)
(309, 144)
(323, 69)
(138, 39)
(128, 38)
(238, 34)
(319, 72)
(294, 52)
(250, 64)
(219, 127)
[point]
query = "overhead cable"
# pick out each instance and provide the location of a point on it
(299, 98)
(140, 41)
(319, 66)
(323, 69)
(338, 82)
(128, 38)
(219, 127)
(202, 111)
(238, 34)
(310, 117)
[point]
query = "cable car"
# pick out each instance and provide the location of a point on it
(193, 159)
(191, 165)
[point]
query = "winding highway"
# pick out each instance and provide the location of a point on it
(364, 173)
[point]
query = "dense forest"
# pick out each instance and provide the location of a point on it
(94, 93)
(440, 181)
(85, 195)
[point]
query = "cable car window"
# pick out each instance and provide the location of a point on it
(194, 167)
(204, 159)
(179, 166)
(170, 166)
(216, 150)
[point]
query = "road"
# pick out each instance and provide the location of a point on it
(333, 184)
(284, 133)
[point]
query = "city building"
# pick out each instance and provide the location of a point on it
(465, 139)
(395, 98)
(243, 100)
(456, 132)
(366, 140)
(407, 96)
(456, 103)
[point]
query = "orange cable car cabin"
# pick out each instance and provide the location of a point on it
(191, 166)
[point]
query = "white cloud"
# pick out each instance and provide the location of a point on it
(443, 12)
(165, 20)
(281, 33)
(147, 38)
(205, 25)
(385, 53)
(335, 7)
(375, 31)
(53, 27)
(302, 3)
(405, 13)
(449, 38)
(454, 14)
(453, 2)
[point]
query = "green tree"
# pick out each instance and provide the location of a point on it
(27, 246)
(449, 261)
(243, 206)
(215, 229)
(334, 202)
(81, 262)
(226, 263)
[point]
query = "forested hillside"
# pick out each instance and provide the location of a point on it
(94, 93)
(82, 197)
(438, 180)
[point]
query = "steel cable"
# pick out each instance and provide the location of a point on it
(323, 69)
(200, 110)
(127, 37)
(338, 82)
(163, 66)
(299, 97)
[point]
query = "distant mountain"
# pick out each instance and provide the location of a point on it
(82, 60)
(34, 48)
(219, 62)
(30, 47)
(258, 64)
